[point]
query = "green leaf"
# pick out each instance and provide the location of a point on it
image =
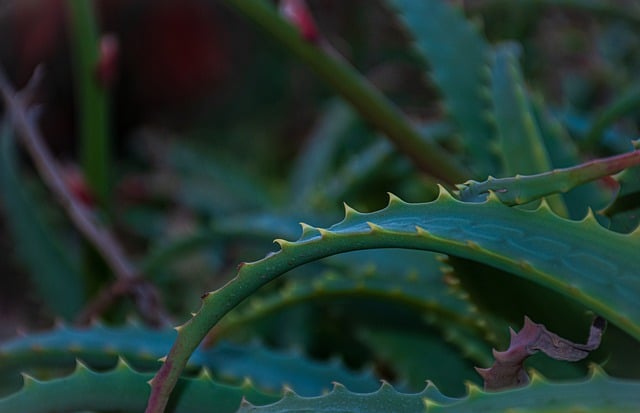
(597, 394)
(440, 33)
(521, 146)
(580, 259)
(55, 276)
(123, 389)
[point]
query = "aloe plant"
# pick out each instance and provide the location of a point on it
(382, 304)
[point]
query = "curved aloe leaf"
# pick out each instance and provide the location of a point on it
(124, 389)
(457, 319)
(580, 259)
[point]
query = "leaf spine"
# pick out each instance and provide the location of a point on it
(283, 244)
(81, 368)
(423, 232)
(324, 233)
(394, 200)
(349, 212)
(338, 388)
(122, 364)
(536, 377)
(444, 194)
(597, 372)
(375, 228)
(307, 229)
(287, 391)
(590, 218)
(473, 390)
(473, 245)
(27, 380)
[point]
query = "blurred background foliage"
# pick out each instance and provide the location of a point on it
(220, 141)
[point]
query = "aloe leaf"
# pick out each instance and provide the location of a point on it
(440, 33)
(351, 85)
(599, 393)
(356, 171)
(578, 125)
(624, 211)
(628, 102)
(521, 146)
(563, 153)
(522, 189)
(503, 300)
(211, 184)
(124, 389)
(420, 290)
(314, 162)
(580, 259)
(54, 274)
(414, 356)
(598, 8)
(341, 400)
(100, 347)
(520, 141)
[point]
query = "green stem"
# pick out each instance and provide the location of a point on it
(522, 189)
(91, 99)
(353, 87)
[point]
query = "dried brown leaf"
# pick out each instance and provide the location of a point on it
(508, 369)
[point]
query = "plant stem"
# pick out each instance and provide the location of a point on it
(522, 189)
(353, 87)
(91, 100)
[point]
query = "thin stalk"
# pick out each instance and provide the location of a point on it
(522, 189)
(91, 100)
